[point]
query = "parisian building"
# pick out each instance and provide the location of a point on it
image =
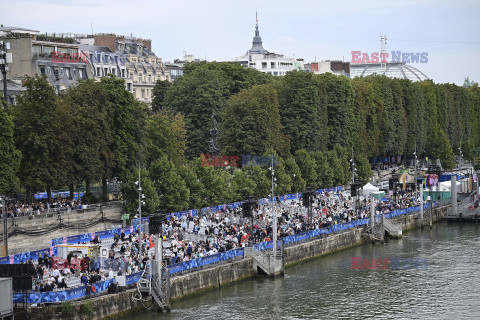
(57, 57)
(268, 62)
(129, 58)
(66, 59)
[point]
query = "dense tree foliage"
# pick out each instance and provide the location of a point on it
(251, 123)
(96, 131)
(35, 134)
(9, 156)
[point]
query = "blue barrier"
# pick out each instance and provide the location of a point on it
(59, 296)
(200, 262)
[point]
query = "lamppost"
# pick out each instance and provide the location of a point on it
(5, 234)
(4, 59)
(416, 174)
(274, 215)
(140, 202)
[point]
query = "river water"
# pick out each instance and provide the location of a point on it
(446, 285)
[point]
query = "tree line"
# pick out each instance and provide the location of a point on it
(95, 131)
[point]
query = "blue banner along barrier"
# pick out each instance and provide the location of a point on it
(200, 262)
(59, 296)
(86, 237)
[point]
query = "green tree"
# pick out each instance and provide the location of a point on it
(251, 123)
(91, 132)
(262, 179)
(307, 166)
(159, 94)
(172, 190)
(242, 185)
(130, 192)
(194, 185)
(239, 77)
(197, 95)
(127, 118)
(442, 150)
(292, 169)
(323, 170)
(165, 135)
(340, 104)
(303, 117)
(9, 157)
(364, 170)
(35, 134)
(216, 184)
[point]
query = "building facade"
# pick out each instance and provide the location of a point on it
(57, 58)
(335, 66)
(67, 59)
(128, 58)
(268, 62)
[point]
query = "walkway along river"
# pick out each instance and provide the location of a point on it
(444, 284)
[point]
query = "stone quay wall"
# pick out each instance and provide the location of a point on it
(216, 277)
(73, 223)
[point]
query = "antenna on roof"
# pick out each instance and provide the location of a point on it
(383, 47)
(91, 26)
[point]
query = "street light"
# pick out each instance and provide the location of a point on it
(5, 234)
(140, 195)
(4, 59)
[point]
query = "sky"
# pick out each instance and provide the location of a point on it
(221, 30)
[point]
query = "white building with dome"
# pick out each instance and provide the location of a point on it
(268, 62)
(397, 70)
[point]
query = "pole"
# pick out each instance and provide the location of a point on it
(416, 174)
(454, 195)
(140, 213)
(372, 212)
(5, 227)
(274, 215)
(421, 205)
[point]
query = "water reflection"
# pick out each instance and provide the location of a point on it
(328, 288)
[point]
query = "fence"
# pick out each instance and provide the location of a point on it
(195, 264)
(71, 294)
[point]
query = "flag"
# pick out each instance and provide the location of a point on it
(256, 16)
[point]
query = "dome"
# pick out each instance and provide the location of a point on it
(393, 70)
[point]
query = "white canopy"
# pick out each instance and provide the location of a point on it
(368, 189)
(370, 186)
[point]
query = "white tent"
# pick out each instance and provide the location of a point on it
(368, 189)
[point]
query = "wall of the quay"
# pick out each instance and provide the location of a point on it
(221, 275)
(79, 219)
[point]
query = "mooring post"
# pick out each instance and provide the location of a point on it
(454, 195)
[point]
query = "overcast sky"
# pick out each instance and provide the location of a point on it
(223, 29)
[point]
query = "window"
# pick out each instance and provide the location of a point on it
(149, 78)
(105, 71)
(42, 71)
(68, 73)
(272, 65)
(264, 65)
(99, 72)
(47, 51)
(129, 87)
(143, 93)
(37, 51)
(123, 73)
(114, 72)
(81, 73)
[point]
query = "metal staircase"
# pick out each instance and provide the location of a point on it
(392, 229)
(267, 262)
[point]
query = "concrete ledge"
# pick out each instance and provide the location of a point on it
(217, 276)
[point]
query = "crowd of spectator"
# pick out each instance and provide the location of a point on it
(189, 237)
(22, 207)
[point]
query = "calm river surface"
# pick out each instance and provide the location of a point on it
(328, 288)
